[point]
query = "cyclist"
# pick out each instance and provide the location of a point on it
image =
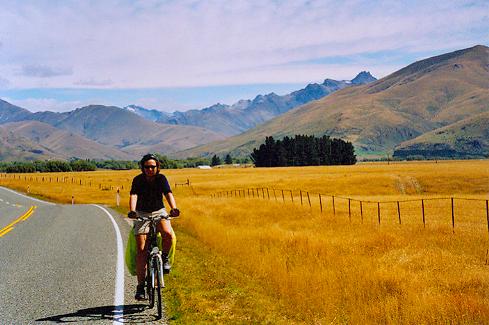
(146, 199)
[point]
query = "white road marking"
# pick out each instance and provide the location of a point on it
(119, 276)
(27, 197)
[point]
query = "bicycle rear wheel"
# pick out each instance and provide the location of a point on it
(159, 281)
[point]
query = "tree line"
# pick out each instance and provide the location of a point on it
(303, 150)
(76, 164)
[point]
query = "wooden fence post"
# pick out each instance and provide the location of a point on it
(300, 192)
(268, 194)
(399, 212)
(361, 210)
(334, 209)
(320, 203)
(309, 200)
(453, 216)
(262, 193)
(378, 211)
(422, 208)
(487, 214)
(283, 197)
(275, 195)
(349, 209)
(291, 196)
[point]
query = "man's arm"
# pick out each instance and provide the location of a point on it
(171, 200)
(133, 200)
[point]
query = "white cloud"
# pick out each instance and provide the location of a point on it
(196, 43)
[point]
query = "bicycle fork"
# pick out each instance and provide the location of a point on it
(156, 263)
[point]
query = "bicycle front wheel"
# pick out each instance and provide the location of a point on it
(150, 288)
(159, 281)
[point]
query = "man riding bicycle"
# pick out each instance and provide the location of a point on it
(146, 199)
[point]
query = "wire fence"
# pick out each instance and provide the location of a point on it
(398, 211)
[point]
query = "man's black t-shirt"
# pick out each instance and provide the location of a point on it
(150, 194)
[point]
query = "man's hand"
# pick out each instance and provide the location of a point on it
(174, 213)
(132, 215)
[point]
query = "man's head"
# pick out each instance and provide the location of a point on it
(150, 165)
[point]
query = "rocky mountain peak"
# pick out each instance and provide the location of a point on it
(363, 77)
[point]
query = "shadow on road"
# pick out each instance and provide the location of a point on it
(132, 314)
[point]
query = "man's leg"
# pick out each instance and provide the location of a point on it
(140, 264)
(166, 232)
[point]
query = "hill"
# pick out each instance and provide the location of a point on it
(246, 114)
(468, 138)
(377, 117)
(33, 140)
(95, 131)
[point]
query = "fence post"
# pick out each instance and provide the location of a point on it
(487, 214)
(349, 209)
(422, 208)
(334, 209)
(378, 211)
(399, 212)
(117, 197)
(453, 217)
(309, 200)
(300, 192)
(361, 210)
(283, 197)
(72, 200)
(320, 203)
(268, 194)
(291, 196)
(262, 193)
(275, 195)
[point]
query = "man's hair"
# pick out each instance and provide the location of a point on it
(147, 157)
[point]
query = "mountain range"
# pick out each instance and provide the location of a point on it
(392, 114)
(109, 132)
(246, 114)
(436, 107)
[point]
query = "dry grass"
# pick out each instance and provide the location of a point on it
(324, 268)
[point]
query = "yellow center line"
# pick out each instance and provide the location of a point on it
(4, 231)
(23, 217)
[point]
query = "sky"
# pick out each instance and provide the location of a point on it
(168, 55)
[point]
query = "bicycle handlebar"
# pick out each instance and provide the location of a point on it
(160, 216)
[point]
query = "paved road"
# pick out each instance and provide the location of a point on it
(63, 263)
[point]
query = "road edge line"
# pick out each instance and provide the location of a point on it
(119, 278)
(26, 196)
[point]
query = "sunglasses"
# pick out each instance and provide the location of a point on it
(149, 166)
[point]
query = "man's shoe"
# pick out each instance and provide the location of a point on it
(166, 265)
(140, 293)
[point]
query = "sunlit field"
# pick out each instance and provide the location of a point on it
(288, 262)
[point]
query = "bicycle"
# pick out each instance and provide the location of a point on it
(154, 265)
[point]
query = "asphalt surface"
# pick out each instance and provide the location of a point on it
(62, 263)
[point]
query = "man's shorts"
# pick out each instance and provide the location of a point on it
(142, 227)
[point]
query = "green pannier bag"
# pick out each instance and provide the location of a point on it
(131, 250)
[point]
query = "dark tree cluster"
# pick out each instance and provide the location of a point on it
(304, 150)
(47, 166)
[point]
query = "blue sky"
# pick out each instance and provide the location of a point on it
(177, 55)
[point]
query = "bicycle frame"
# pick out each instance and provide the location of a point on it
(155, 262)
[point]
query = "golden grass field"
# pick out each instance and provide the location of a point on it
(242, 260)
